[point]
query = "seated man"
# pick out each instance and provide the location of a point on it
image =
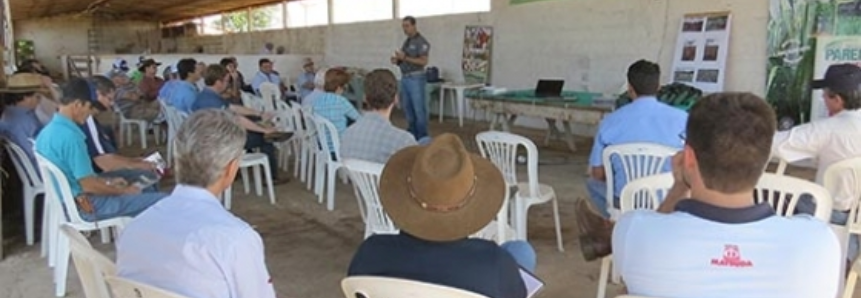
(830, 140)
(101, 142)
(373, 138)
(267, 73)
(150, 84)
(332, 106)
(131, 101)
(720, 242)
(19, 121)
(62, 142)
(645, 120)
(183, 93)
(451, 195)
(216, 78)
(306, 79)
(319, 84)
(204, 250)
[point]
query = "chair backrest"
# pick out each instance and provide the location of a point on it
(57, 188)
(845, 176)
(92, 266)
(386, 287)
(501, 149)
(124, 288)
(251, 101)
(327, 135)
(365, 176)
(23, 165)
(645, 192)
(311, 131)
(637, 160)
(271, 94)
(284, 117)
(783, 193)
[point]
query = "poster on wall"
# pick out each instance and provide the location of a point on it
(477, 53)
(701, 51)
(791, 43)
(831, 50)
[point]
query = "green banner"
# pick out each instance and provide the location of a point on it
(515, 2)
(792, 28)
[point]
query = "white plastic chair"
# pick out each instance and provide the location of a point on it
(271, 94)
(783, 193)
(365, 176)
(310, 150)
(125, 288)
(501, 149)
(847, 173)
(256, 162)
(253, 102)
(175, 118)
(65, 210)
(643, 193)
(298, 141)
(637, 160)
(92, 266)
(126, 126)
(387, 287)
(33, 187)
(327, 164)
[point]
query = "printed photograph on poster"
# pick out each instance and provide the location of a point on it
(717, 23)
(689, 52)
(693, 25)
(477, 47)
(710, 53)
(683, 76)
(708, 75)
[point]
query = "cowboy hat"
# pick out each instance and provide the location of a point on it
(441, 192)
(24, 83)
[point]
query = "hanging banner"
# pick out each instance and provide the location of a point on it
(701, 51)
(477, 53)
(832, 50)
(793, 26)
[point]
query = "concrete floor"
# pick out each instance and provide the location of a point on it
(308, 248)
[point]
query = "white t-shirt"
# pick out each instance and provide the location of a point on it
(703, 251)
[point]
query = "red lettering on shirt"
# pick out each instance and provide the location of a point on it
(731, 258)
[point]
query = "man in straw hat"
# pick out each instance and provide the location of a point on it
(305, 81)
(19, 122)
(710, 238)
(439, 195)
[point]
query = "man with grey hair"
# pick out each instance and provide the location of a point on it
(202, 249)
(319, 81)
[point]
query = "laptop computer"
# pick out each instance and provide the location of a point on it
(549, 88)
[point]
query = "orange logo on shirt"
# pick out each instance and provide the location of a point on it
(731, 258)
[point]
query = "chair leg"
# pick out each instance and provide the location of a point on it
(441, 104)
(61, 271)
(267, 173)
(227, 196)
(320, 177)
(245, 185)
(558, 226)
(849, 287)
(332, 172)
(29, 205)
(46, 222)
(602, 278)
(142, 130)
(258, 183)
(106, 235)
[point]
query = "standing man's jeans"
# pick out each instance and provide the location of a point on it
(414, 103)
(523, 254)
(111, 206)
(598, 194)
(807, 206)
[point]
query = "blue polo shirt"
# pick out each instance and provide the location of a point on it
(182, 96)
(645, 120)
(99, 140)
(165, 91)
(209, 99)
(475, 265)
(19, 125)
(63, 143)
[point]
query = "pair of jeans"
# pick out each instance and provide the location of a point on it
(414, 103)
(807, 206)
(523, 254)
(598, 194)
(256, 140)
(111, 206)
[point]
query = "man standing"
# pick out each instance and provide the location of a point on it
(202, 249)
(412, 58)
(373, 138)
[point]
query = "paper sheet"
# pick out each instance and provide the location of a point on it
(533, 284)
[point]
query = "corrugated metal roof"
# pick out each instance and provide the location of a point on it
(157, 10)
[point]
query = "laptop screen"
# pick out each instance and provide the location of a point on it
(549, 88)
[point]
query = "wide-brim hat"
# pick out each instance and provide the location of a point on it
(24, 83)
(441, 192)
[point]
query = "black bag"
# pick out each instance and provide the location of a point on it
(433, 74)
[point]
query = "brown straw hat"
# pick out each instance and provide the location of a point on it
(24, 83)
(441, 192)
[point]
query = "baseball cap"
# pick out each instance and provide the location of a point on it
(81, 89)
(117, 73)
(840, 77)
(148, 62)
(121, 64)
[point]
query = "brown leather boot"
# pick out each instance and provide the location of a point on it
(595, 232)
